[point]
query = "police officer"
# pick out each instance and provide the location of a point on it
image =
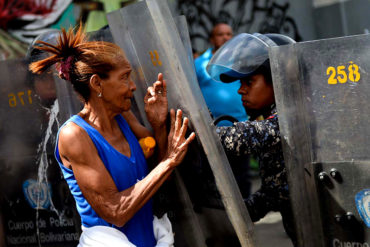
(245, 58)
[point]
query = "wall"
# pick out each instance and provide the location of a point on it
(342, 18)
(293, 18)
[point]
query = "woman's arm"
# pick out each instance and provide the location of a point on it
(137, 128)
(78, 152)
(156, 108)
(249, 136)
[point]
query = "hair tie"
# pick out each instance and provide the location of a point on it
(65, 67)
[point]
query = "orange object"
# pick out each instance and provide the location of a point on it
(147, 145)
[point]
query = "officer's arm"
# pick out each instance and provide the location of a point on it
(258, 205)
(249, 136)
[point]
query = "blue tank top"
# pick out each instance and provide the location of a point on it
(125, 171)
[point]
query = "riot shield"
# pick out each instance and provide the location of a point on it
(36, 208)
(182, 28)
(322, 92)
(147, 33)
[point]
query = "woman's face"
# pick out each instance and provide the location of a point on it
(256, 92)
(118, 88)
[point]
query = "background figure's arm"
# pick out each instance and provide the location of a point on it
(249, 136)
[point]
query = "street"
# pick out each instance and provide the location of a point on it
(269, 230)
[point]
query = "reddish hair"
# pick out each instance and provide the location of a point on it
(84, 58)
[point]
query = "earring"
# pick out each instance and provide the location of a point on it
(99, 95)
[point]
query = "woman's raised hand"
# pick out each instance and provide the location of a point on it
(177, 142)
(156, 104)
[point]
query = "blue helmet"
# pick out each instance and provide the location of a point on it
(243, 55)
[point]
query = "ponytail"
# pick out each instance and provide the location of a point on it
(63, 53)
(77, 59)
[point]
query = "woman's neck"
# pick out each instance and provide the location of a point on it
(98, 116)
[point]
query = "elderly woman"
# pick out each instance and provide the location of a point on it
(97, 149)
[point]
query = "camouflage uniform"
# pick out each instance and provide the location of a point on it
(262, 138)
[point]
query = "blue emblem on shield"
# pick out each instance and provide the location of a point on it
(363, 205)
(37, 194)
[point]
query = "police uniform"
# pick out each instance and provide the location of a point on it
(262, 139)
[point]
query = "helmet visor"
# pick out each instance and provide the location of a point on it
(238, 58)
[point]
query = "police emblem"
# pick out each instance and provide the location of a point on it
(37, 194)
(363, 205)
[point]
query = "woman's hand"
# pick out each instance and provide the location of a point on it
(177, 143)
(156, 104)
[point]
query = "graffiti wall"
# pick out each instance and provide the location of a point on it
(266, 16)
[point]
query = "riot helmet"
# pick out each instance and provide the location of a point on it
(49, 36)
(243, 55)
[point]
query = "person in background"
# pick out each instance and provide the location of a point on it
(98, 150)
(222, 99)
(245, 58)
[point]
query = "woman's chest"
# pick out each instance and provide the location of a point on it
(125, 171)
(119, 142)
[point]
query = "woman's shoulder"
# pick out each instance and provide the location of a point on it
(72, 132)
(73, 141)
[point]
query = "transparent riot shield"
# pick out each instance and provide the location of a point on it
(148, 35)
(322, 92)
(36, 208)
(182, 28)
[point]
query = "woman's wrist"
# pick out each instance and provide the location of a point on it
(160, 135)
(160, 132)
(159, 127)
(167, 165)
